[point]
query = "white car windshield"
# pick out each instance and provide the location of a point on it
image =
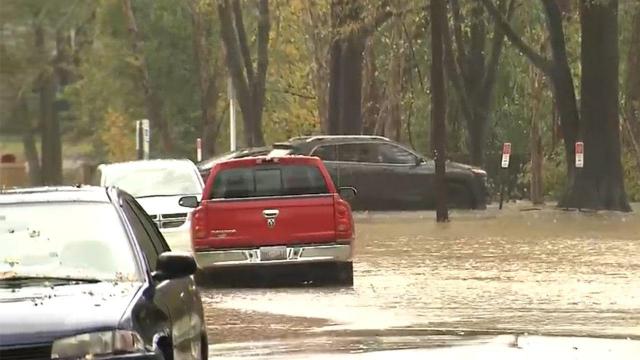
(160, 181)
(80, 240)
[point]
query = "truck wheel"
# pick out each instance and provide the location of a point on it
(459, 196)
(344, 274)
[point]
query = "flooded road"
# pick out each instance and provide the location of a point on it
(487, 272)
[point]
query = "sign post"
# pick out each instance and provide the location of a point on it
(198, 149)
(143, 138)
(504, 164)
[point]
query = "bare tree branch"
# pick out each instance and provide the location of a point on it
(538, 60)
(242, 40)
(496, 49)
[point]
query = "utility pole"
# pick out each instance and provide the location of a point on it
(438, 106)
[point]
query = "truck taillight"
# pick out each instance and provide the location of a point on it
(198, 229)
(344, 220)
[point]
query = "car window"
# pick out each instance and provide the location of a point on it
(392, 154)
(268, 181)
(364, 152)
(152, 229)
(65, 239)
(162, 180)
(325, 152)
(142, 236)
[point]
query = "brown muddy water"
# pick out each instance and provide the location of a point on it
(516, 270)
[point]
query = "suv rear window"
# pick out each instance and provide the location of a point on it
(283, 180)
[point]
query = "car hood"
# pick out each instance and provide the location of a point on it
(38, 314)
(154, 205)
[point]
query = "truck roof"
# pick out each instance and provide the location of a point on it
(259, 160)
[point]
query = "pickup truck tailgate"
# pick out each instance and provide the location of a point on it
(241, 223)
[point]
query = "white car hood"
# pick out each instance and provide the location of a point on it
(154, 205)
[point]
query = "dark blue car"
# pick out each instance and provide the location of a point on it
(84, 274)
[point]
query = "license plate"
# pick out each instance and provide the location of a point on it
(273, 253)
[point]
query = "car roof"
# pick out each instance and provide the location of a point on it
(148, 164)
(55, 194)
(309, 142)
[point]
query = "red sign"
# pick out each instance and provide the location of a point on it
(579, 154)
(506, 149)
(506, 154)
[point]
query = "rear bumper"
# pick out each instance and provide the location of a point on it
(298, 254)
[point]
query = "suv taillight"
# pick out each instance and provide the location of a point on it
(344, 220)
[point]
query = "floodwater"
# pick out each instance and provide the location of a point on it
(418, 283)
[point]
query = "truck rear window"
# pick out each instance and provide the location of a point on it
(282, 180)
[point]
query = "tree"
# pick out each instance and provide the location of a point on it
(207, 74)
(600, 185)
(556, 69)
(248, 82)
(153, 102)
(438, 107)
(473, 73)
(350, 31)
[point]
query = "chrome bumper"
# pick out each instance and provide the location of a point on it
(295, 254)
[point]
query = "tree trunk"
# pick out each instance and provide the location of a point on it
(153, 103)
(439, 106)
(207, 80)
(318, 48)
(51, 162)
(535, 145)
(349, 34)
(600, 184)
(249, 84)
(632, 103)
(370, 93)
(29, 143)
(393, 123)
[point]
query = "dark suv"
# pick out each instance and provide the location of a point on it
(387, 175)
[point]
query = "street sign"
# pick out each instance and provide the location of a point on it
(579, 154)
(143, 138)
(199, 149)
(506, 154)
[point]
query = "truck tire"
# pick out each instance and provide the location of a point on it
(343, 275)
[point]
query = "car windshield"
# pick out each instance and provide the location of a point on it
(156, 181)
(64, 240)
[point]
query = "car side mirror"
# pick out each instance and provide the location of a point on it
(188, 201)
(347, 193)
(174, 265)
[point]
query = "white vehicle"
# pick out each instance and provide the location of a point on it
(158, 185)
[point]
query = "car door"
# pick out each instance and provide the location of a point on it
(410, 179)
(172, 295)
(357, 161)
(327, 153)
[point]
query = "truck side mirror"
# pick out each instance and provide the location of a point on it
(347, 193)
(188, 202)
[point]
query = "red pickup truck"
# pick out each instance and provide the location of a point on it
(262, 211)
